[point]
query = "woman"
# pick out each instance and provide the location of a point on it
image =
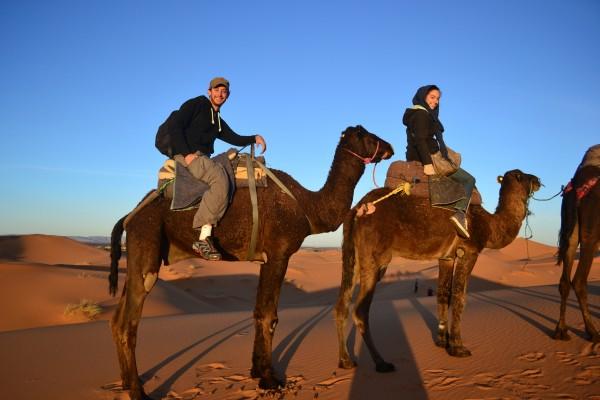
(424, 137)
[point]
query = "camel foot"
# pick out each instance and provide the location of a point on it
(458, 351)
(442, 342)
(270, 382)
(383, 367)
(594, 337)
(561, 334)
(442, 339)
(347, 363)
(139, 396)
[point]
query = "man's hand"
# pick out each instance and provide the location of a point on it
(260, 141)
(189, 158)
(428, 169)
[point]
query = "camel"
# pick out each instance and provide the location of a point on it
(155, 234)
(409, 227)
(580, 227)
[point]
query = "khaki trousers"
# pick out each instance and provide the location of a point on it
(214, 200)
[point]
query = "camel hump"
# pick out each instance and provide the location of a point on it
(591, 157)
(400, 172)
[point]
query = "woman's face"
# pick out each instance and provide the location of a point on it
(433, 98)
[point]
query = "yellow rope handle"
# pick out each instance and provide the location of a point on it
(403, 187)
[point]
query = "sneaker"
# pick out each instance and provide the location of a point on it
(459, 219)
(206, 249)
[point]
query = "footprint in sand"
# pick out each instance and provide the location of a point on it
(590, 350)
(565, 396)
(334, 381)
(532, 373)
(442, 382)
(567, 358)
(531, 357)
(212, 366)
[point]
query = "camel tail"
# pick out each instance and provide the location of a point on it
(348, 254)
(568, 221)
(115, 254)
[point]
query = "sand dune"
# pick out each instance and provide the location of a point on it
(196, 335)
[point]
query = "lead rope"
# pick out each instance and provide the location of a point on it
(528, 227)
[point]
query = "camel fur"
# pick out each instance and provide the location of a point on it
(409, 227)
(155, 234)
(580, 227)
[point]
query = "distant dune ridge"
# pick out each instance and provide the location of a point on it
(196, 336)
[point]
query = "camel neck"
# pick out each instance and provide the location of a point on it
(329, 205)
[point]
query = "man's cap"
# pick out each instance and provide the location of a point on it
(218, 81)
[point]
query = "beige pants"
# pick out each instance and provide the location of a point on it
(214, 200)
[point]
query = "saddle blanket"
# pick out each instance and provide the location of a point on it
(185, 191)
(440, 190)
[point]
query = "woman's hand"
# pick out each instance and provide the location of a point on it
(428, 169)
(190, 157)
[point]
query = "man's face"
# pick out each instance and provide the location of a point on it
(218, 96)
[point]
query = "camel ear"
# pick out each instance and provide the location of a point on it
(499, 178)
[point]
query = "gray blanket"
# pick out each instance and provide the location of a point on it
(187, 190)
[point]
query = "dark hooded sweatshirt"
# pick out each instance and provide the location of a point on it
(196, 126)
(423, 129)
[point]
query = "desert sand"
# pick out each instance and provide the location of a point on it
(195, 339)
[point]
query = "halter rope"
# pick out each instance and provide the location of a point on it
(367, 160)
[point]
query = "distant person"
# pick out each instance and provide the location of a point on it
(192, 131)
(416, 288)
(424, 137)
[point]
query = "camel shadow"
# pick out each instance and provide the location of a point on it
(406, 379)
(571, 302)
(166, 385)
(286, 349)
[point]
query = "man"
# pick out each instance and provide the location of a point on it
(193, 130)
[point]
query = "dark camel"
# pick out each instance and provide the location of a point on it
(409, 227)
(156, 234)
(580, 227)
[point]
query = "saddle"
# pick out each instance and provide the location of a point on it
(440, 190)
(185, 191)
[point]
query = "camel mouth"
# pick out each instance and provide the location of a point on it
(387, 155)
(535, 185)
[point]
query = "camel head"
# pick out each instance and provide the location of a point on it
(365, 145)
(520, 182)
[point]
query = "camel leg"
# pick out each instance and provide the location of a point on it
(446, 271)
(265, 321)
(561, 330)
(586, 257)
(465, 262)
(124, 323)
(369, 276)
(341, 316)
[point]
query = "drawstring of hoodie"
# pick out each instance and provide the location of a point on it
(212, 117)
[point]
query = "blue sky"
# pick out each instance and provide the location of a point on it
(84, 86)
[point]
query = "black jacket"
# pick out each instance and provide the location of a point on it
(196, 126)
(421, 140)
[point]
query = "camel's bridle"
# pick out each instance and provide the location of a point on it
(365, 160)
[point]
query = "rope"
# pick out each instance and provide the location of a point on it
(527, 231)
(373, 175)
(403, 187)
(562, 189)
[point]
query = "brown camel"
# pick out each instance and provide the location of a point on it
(156, 234)
(580, 227)
(409, 227)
